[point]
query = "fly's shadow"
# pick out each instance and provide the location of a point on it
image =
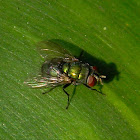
(107, 69)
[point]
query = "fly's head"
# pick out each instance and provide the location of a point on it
(94, 77)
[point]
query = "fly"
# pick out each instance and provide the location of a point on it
(61, 68)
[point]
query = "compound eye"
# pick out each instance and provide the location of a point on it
(91, 81)
(95, 68)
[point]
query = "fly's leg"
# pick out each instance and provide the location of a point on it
(93, 89)
(48, 90)
(65, 86)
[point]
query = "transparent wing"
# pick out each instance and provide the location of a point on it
(53, 54)
(40, 82)
(49, 50)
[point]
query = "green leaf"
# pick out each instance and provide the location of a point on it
(107, 32)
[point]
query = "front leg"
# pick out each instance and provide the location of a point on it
(93, 89)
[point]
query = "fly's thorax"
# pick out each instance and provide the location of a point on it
(65, 67)
(76, 70)
(72, 69)
(83, 73)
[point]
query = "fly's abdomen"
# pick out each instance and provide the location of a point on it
(52, 68)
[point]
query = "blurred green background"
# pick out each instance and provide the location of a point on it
(108, 31)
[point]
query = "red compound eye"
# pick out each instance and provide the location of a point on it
(95, 68)
(91, 81)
